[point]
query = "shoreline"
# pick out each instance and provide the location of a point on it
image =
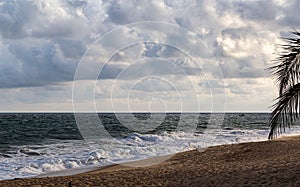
(107, 168)
(267, 163)
(134, 163)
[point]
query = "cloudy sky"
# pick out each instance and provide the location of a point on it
(140, 55)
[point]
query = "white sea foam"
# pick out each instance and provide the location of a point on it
(33, 160)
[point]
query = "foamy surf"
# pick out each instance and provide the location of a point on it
(27, 162)
(64, 157)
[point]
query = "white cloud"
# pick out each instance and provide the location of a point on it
(42, 42)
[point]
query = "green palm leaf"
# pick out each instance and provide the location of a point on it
(286, 72)
(286, 110)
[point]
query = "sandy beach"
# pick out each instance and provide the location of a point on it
(268, 163)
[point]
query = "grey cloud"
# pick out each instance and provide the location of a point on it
(34, 95)
(251, 64)
(151, 50)
(155, 59)
(71, 48)
(35, 66)
(267, 12)
(162, 51)
(243, 68)
(75, 28)
(257, 10)
(21, 19)
(183, 22)
(242, 86)
(109, 72)
(238, 90)
(15, 17)
(40, 51)
(152, 85)
(42, 42)
(238, 32)
(118, 15)
(77, 3)
(212, 84)
(149, 67)
(153, 67)
(121, 12)
(290, 16)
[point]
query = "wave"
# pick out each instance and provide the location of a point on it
(33, 160)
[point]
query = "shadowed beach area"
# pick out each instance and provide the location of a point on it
(268, 163)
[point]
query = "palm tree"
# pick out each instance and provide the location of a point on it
(286, 71)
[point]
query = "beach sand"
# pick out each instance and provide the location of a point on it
(268, 163)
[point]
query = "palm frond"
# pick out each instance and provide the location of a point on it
(287, 64)
(286, 110)
(286, 72)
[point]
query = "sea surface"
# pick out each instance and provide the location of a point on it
(32, 144)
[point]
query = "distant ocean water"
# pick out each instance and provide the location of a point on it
(36, 143)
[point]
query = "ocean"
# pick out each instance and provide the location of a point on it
(32, 144)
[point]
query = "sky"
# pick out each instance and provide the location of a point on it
(152, 56)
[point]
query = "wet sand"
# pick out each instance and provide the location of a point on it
(269, 163)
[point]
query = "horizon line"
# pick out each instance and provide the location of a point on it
(134, 112)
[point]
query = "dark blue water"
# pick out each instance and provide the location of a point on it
(47, 128)
(34, 143)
